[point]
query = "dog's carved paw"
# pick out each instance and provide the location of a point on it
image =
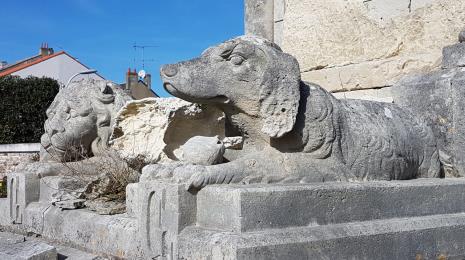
(252, 179)
(197, 181)
(204, 177)
(186, 172)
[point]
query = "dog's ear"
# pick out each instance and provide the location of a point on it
(279, 94)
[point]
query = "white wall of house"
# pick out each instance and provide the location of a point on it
(60, 67)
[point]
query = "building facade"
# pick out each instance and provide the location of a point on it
(60, 66)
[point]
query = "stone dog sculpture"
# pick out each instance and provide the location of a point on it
(79, 120)
(295, 131)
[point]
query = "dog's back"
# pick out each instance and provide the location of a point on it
(377, 141)
(383, 141)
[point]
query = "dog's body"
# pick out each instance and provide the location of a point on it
(296, 131)
(375, 141)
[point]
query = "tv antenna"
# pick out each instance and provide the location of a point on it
(142, 47)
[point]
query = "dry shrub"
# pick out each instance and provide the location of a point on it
(104, 178)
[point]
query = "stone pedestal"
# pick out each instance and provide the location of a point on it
(371, 220)
(377, 220)
(165, 210)
(23, 188)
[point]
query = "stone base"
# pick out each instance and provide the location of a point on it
(109, 235)
(399, 238)
(378, 220)
(373, 220)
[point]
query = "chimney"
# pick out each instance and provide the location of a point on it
(3, 64)
(148, 80)
(131, 79)
(45, 50)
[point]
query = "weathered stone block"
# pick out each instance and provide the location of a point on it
(16, 247)
(114, 235)
(166, 209)
(425, 237)
(259, 18)
(383, 40)
(132, 200)
(453, 56)
(261, 207)
(60, 188)
(149, 129)
(23, 188)
(33, 217)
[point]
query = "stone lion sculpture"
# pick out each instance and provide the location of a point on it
(294, 131)
(79, 120)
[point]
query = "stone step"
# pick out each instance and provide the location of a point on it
(426, 237)
(250, 208)
(16, 247)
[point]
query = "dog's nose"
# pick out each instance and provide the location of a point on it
(169, 70)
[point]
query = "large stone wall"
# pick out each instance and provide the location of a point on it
(360, 44)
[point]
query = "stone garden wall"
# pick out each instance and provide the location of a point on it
(13, 154)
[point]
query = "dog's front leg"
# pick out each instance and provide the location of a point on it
(263, 166)
(271, 166)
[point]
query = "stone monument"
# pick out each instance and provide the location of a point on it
(296, 131)
(301, 174)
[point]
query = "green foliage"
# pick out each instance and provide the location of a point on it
(22, 107)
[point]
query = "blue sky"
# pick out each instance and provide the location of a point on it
(101, 33)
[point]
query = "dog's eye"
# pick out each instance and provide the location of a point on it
(237, 60)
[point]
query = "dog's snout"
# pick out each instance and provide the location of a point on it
(169, 70)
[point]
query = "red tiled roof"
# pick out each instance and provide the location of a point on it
(27, 63)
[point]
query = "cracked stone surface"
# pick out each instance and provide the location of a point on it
(358, 44)
(152, 129)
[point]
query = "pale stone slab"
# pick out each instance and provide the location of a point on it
(16, 247)
(380, 95)
(279, 10)
(261, 207)
(278, 32)
(114, 235)
(259, 18)
(425, 237)
(370, 74)
(357, 40)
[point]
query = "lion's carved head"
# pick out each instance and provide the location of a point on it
(79, 120)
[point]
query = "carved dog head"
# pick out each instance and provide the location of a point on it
(247, 74)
